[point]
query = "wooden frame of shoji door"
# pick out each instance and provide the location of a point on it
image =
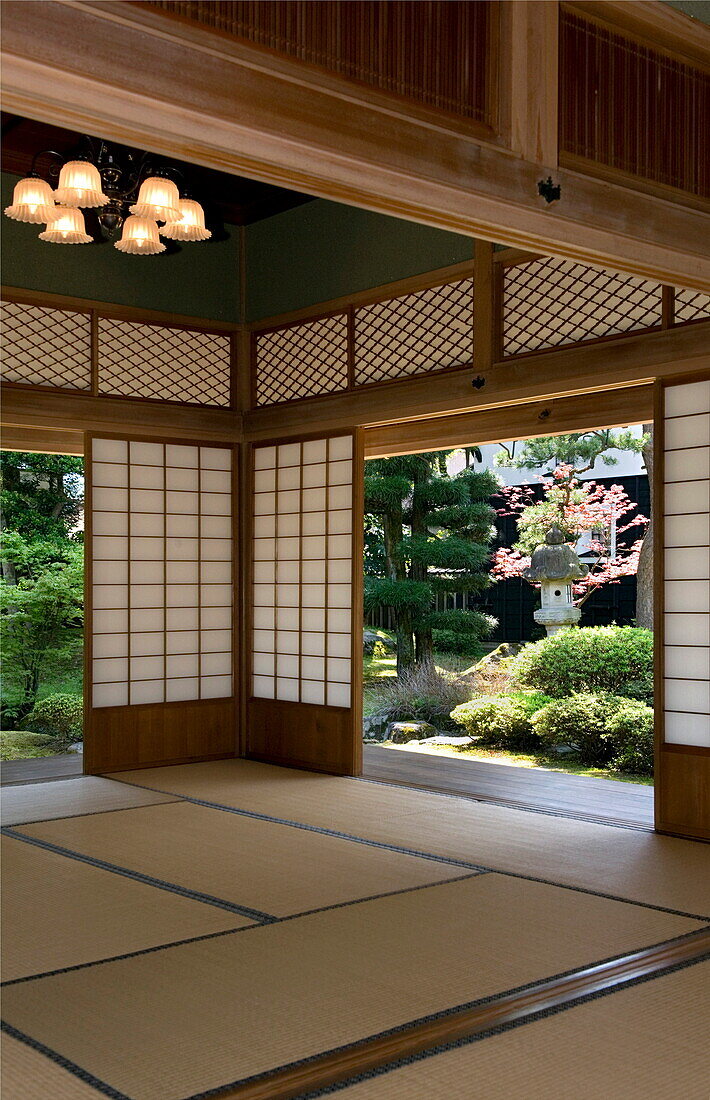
(682, 772)
(169, 732)
(109, 311)
(298, 734)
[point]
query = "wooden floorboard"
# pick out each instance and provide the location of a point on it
(42, 769)
(530, 788)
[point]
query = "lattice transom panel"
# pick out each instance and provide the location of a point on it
(426, 331)
(691, 305)
(548, 302)
(164, 364)
(46, 347)
(302, 361)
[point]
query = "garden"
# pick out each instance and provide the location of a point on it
(41, 605)
(570, 697)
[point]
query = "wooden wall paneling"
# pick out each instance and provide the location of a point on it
(682, 629)
(144, 83)
(300, 711)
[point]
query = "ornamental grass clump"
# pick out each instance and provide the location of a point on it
(422, 693)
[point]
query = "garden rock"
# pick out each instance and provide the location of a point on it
(370, 638)
(402, 732)
(374, 728)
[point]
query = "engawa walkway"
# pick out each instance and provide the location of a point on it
(42, 769)
(530, 788)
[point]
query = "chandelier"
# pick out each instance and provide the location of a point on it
(132, 195)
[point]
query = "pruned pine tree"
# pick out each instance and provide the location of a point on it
(436, 534)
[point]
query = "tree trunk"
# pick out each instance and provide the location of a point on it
(644, 575)
(396, 571)
(423, 638)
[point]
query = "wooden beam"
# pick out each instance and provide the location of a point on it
(587, 368)
(620, 407)
(532, 30)
(42, 441)
(32, 407)
(484, 307)
(132, 75)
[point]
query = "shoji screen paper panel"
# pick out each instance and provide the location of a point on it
(160, 598)
(683, 615)
(305, 584)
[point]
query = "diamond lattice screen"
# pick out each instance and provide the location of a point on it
(691, 305)
(161, 572)
(548, 302)
(302, 361)
(164, 364)
(426, 331)
(46, 347)
(302, 571)
(686, 565)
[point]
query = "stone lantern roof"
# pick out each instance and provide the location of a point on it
(554, 561)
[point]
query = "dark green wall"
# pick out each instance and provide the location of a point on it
(324, 250)
(197, 280)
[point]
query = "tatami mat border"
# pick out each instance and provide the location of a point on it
(427, 855)
(108, 1090)
(172, 887)
(93, 813)
(233, 931)
(499, 1029)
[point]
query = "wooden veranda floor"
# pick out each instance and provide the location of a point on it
(531, 788)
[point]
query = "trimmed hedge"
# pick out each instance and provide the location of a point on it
(603, 729)
(60, 716)
(502, 720)
(612, 659)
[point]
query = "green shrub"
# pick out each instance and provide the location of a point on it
(22, 745)
(581, 721)
(60, 716)
(630, 733)
(453, 641)
(501, 720)
(614, 659)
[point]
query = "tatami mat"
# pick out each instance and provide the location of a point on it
(637, 865)
(90, 794)
(57, 912)
(178, 1022)
(26, 1074)
(272, 868)
(649, 1040)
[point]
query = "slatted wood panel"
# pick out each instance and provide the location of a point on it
(429, 330)
(306, 538)
(161, 572)
(46, 347)
(549, 302)
(162, 363)
(395, 47)
(686, 565)
(632, 108)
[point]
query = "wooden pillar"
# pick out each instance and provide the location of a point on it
(531, 33)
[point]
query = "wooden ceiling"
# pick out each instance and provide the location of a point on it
(231, 199)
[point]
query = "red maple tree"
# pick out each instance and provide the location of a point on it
(578, 507)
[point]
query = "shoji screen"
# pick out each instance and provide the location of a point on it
(160, 682)
(683, 612)
(305, 615)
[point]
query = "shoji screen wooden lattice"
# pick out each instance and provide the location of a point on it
(683, 607)
(160, 683)
(305, 616)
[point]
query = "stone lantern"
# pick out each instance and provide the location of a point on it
(555, 567)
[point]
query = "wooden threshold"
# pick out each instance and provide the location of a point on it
(467, 1023)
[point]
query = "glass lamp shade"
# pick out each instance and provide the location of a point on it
(80, 185)
(158, 199)
(32, 201)
(68, 228)
(191, 226)
(140, 237)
